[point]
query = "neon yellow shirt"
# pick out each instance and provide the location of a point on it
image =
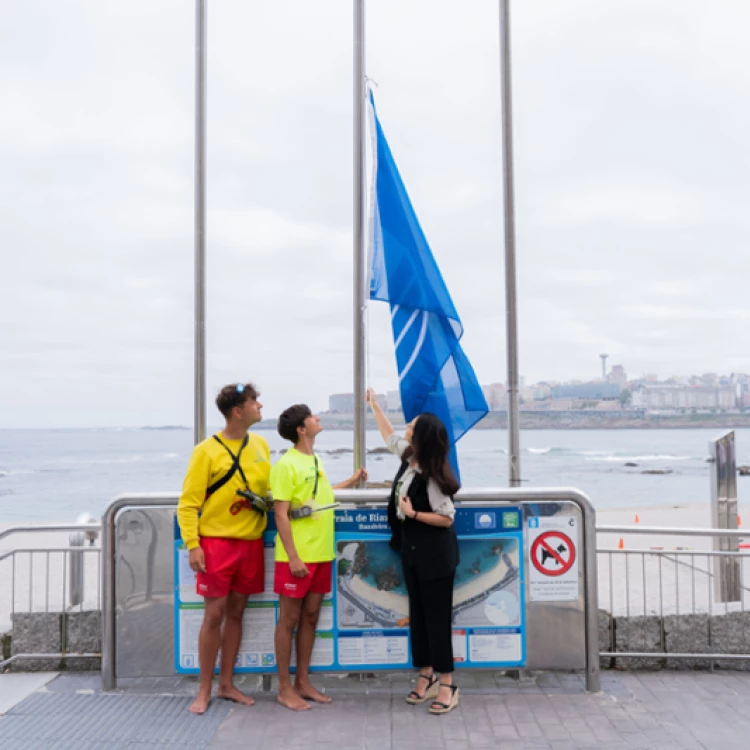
(223, 514)
(293, 480)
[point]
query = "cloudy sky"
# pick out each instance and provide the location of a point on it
(632, 186)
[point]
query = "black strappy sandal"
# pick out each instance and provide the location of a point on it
(431, 690)
(443, 708)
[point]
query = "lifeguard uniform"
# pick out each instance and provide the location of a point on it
(301, 480)
(211, 513)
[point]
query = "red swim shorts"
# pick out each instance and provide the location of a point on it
(317, 581)
(231, 565)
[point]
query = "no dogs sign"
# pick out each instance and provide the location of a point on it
(553, 572)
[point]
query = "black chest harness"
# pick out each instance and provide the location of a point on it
(219, 483)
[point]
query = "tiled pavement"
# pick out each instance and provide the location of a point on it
(663, 710)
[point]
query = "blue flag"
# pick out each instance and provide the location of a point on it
(433, 371)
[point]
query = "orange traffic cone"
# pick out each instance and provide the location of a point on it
(637, 519)
(739, 521)
(621, 544)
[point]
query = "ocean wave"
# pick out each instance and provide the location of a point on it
(133, 458)
(607, 456)
(16, 472)
(611, 458)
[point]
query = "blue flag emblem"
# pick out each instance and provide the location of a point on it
(434, 373)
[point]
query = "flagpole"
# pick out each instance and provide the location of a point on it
(359, 235)
(511, 318)
(199, 385)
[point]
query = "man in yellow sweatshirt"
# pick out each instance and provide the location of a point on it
(223, 531)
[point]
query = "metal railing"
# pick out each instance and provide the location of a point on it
(61, 568)
(50, 579)
(363, 497)
(648, 583)
(648, 590)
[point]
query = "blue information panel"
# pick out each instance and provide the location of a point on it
(364, 623)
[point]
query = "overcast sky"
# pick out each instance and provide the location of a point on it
(632, 191)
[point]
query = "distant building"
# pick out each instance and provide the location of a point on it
(663, 396)
(341, 403)
(596, 391)
(393, 401)
(497, 399)
(618, 375)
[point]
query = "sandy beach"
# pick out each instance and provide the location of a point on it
(664, 574)
(685, 515)
(386, 599)
(479, 584)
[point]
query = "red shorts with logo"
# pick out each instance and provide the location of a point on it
(317, 581)
(231, 565)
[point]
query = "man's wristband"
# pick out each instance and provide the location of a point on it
(416, 513)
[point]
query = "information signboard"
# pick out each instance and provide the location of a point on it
(553, 557)
(364, 624)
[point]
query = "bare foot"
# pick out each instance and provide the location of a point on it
(290, 698)
(200, 704)
(310, 693)
(231, 693)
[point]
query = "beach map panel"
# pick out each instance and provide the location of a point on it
(364, 622)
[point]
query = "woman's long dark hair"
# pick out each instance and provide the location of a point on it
(429, 447)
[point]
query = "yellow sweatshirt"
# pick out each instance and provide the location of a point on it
(223, 514)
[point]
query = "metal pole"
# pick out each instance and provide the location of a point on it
(76, 582)
(359, 235)
(109, 580)
(590, 595)
(511, 321)
(199, 418)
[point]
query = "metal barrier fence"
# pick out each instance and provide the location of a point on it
(554, 630)
(661, 594)
(641, 589)
(50, 579)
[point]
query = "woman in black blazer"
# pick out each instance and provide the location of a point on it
(420, 513)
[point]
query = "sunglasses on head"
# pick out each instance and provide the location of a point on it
(239, 390)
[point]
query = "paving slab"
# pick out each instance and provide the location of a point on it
(17, 686)
(662, 710)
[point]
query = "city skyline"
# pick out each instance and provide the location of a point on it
(709, 390)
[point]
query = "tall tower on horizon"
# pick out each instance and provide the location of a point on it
(604, 365)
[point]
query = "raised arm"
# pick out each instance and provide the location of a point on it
(384, 425)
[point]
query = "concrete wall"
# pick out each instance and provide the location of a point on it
(677, 634)
(53, 632)
(80, 632)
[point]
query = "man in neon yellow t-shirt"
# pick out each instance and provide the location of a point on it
(223, 531)
(304, 550)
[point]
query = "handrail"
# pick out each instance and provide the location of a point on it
(57, 656)
(364, 497)
(33, 528)
(83, 550)
(671, 530)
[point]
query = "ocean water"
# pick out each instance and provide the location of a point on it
(53, 475)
